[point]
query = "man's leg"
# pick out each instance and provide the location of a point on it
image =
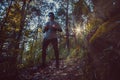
(55, 46)
(44, 47)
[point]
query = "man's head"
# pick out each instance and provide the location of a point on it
(51, 15)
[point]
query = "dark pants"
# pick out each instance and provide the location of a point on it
(45, 44)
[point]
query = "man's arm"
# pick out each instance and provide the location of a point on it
(59, 29)
(45, 28)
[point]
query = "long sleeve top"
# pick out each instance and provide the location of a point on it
(51, 29)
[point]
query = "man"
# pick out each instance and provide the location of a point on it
(50, 30)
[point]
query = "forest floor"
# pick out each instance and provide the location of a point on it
(69, 70)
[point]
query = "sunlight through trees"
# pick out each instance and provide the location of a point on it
(89, 42)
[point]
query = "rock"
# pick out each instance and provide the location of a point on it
(105, 51)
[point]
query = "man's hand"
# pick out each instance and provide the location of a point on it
(54, 26)
(45, 29)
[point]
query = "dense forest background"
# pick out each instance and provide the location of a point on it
(89, 45)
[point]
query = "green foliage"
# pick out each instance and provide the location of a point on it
(61, 12)
(80, 8)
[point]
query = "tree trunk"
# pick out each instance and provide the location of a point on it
(1, 27)
(67, 30)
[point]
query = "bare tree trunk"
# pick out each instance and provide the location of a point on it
(2, 23)
(67, 30)
(22, 23)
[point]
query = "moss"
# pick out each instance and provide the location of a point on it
(103, 29)
(106, 27)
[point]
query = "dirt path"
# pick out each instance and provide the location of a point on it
(67, 71)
